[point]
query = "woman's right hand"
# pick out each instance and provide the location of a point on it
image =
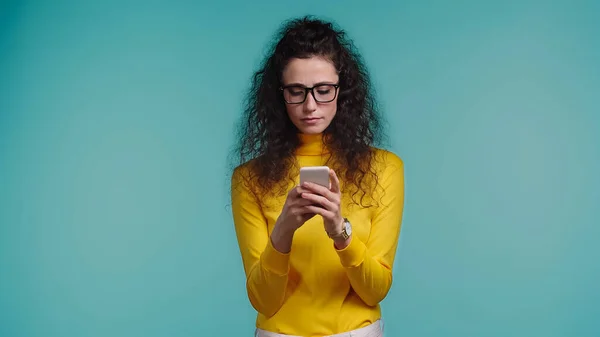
(293, 215)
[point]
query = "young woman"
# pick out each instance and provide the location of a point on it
(318, 260)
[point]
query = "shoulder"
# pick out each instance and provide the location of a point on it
(241, 176)
(389, 168)
(242, 171)
(387, 162)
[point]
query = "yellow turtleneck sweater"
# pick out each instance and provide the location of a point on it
(317, 290)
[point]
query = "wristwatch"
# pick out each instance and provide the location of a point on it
(345, 233)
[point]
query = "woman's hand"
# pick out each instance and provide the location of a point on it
(326, 203)
(293, 215)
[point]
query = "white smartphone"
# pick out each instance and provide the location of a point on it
(315, 174)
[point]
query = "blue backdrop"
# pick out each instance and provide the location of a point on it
(116, 118)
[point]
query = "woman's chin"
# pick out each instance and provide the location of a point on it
(311, 129)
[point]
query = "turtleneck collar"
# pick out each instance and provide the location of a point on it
(311, 145)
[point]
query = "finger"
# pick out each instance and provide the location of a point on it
(335, 182)
(301, 202)
(334, 198)
(307, 210)
(319, 211)
(293, 192)
(318, 189)
(297, 191)
(319, 200)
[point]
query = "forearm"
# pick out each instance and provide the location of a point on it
(267, 280)
(281, 239)
(370, 278)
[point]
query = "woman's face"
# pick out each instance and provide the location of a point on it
(310, 115)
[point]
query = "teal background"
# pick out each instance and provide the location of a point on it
(116, 118)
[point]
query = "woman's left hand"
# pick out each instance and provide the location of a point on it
(326, 203)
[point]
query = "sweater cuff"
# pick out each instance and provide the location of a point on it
(353, 254)
(275, 261)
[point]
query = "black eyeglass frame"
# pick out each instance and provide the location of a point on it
(311, 89)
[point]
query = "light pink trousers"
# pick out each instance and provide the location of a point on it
(372, 330)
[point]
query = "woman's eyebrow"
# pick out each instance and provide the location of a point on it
(296, 84)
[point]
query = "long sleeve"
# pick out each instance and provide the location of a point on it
(266, 269)
(369, 265)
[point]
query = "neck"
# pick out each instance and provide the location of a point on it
(311, 145)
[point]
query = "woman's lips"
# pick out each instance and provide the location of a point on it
(311, 120)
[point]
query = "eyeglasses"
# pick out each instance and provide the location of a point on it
(322, 93)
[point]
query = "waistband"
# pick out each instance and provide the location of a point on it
(372, 330)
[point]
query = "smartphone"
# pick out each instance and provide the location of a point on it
(315, 174)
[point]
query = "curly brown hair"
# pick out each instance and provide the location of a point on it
(268, 138)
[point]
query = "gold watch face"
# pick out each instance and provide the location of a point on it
(348, 228)
(346, 231)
